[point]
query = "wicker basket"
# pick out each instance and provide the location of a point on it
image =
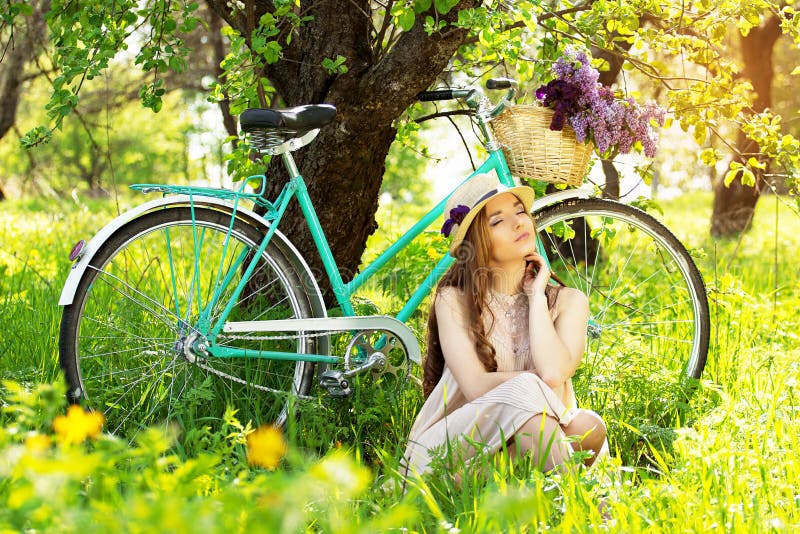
(536, 152)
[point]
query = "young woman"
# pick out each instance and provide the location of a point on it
(503, 343)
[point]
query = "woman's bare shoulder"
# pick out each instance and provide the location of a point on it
(570, 298)
(451, 307)
(451, 296)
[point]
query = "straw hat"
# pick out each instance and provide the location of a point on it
(467, 201)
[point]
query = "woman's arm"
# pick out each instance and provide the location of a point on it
(458, 347)
(557, 347)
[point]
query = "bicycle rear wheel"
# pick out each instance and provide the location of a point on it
(125, 340)
(649, 311)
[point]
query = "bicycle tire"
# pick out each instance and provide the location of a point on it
(646, 294)
(122, 339)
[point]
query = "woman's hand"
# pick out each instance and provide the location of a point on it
(537, 275)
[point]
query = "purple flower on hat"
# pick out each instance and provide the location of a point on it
(457, 215)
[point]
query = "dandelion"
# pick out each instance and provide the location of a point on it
(265, 447)
(432, 253)
(78, 425)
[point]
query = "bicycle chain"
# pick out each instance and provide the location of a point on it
(264, 338)
(270, 338)
(294, 336)
(245, 383)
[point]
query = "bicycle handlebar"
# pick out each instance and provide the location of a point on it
(501, 83)
(474, 96)
(443, 94)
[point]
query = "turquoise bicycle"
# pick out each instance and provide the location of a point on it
(192, 301)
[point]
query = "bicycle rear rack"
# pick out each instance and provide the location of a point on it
(220, 193)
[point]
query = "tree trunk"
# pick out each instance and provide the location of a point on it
(25, 46)
(611, 189)
(608, 77)
(218, 46)
(734, 205)
(345, 164)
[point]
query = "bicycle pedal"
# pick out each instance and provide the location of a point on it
(335, 383)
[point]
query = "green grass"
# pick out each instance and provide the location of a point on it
(724, 459)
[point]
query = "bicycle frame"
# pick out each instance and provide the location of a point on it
(495, 162)
(343, 292)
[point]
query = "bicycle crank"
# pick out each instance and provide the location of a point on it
(378, 353)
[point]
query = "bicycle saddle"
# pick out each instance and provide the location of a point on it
(300, 119)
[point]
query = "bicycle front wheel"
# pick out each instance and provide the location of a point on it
(128, 342)
(648, 307)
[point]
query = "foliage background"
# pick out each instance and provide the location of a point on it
(729, 464)
(725, 460)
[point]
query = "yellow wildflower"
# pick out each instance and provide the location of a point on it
(432, 253)
(266, 447)
(37, 443)
(78, 425)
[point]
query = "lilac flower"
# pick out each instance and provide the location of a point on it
(592, 110)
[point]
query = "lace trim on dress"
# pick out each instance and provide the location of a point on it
(508, 331)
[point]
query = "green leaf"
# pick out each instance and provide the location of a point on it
(170, 25)
(36, 136)
(700, 133)
(709, 157)
(267, 20)
(406, 19)
(335, 66)
(444, 6)
(421, 6)
(176, 64)
(530, 20)
(647, 204)
(730, 176)
(272, 52)
(748, 178)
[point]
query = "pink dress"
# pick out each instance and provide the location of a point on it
(497, 415)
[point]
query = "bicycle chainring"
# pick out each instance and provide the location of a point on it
(397, 366)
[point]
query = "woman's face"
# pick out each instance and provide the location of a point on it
(511, 233)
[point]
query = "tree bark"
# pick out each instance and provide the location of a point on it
(25, 46)
(218, 46)
(345, 164)
(734, 206)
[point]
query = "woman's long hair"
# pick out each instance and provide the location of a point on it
(471, 275)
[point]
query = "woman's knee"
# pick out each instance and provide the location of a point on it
(541, 433)
(586, 423)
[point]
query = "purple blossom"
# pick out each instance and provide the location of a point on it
(457, 215)
(615, 125)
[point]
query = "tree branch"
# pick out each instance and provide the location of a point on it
(443, 114)
(377, 45)
(517, 25)
(463, 141)
(389, 80)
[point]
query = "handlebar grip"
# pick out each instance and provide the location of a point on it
(500, 83)
(430, 96)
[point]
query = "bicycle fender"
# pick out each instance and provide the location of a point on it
(561, 196)
(91, 248)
